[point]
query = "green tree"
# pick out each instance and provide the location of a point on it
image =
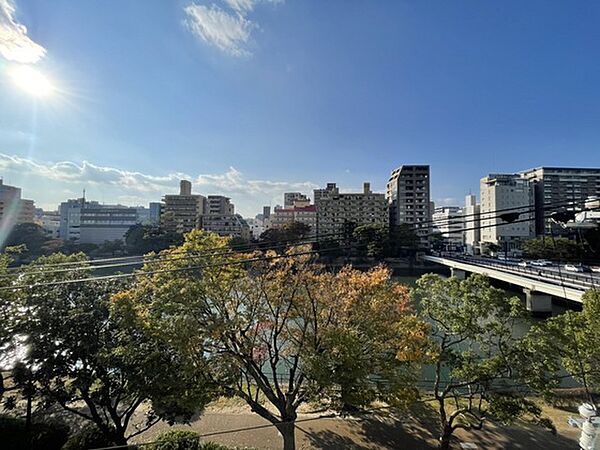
(477, 359)
(289, 233)
(571, 341)
(81, 350)
(370, 240)
(142, 239)
(559, 248)
(403, 240)
(270, 326)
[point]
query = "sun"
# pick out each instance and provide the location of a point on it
(31, 81)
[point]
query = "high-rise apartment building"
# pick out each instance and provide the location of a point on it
(409, 198)
(13, 209)
(472, 232)
(182, 212)
(336, 210)
(448, 221)
(506, 192)
(559, 186)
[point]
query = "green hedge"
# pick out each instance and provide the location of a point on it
(184, 440)
(89, 437)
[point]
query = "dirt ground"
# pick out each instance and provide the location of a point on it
(383, 430)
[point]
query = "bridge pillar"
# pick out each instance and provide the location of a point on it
(537, 302)
(460, 274)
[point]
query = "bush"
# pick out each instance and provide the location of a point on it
(49, 435)
(178, 440)
(89, 437)
(214, 446)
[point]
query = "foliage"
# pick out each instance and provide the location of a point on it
(88, 437)
(40, 436)
(403, 240)
(480, 370)
(177, 440)
(269, 327)
(572, 341)
(142, 239)
(289, 233)
(560, 249)
(81, 350)
(370, 240)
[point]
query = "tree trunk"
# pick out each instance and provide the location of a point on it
(288, 432)
(28, 412)
(445, 438)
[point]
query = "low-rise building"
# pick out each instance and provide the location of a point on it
(232, 225)
(90, 222)
(301, 211)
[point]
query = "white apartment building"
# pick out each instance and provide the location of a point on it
(336, 210)
(558, 186)
(449, 222)
(501, 192)
(90, 222)
(472, 234)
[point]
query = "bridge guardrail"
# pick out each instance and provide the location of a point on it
(573, 280)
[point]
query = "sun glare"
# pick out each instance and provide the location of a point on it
(31, 81)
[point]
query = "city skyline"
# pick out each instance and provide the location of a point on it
(251, 99)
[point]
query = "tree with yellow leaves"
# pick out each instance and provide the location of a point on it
(278, 330)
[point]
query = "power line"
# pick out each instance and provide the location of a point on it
(143, 259)
(193, 267)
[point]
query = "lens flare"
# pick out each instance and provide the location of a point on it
(31, 81)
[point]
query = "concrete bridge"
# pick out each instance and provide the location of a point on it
(539, 284)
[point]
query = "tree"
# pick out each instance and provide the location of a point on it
(270, 327)
(478, 362)
(81, 350)
(404, 240)
(571, 341)
(559, 248)
(370, 240)
(289, 233)
(142, 239)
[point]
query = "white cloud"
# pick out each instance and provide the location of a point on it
(244, 6)
(118, 185)
(15, 45)
(228, 32)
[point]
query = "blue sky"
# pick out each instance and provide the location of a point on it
(250, 98)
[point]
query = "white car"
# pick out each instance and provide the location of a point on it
(522, 264)
(571, 268)
(541, 263)
(595, 268)
(574, 268)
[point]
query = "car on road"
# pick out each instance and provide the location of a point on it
(540, 263)
(577, 268)
(523, 264)
(595, 268)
